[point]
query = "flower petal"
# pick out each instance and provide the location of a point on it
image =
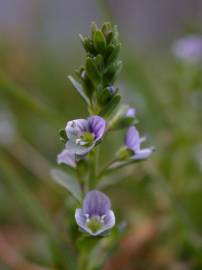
(67, 158)
(109, 220)
(96, 203)
(77, 149)
(75, 128)
(143, 154)
(97, 126)
(81, 220)
(132, 139)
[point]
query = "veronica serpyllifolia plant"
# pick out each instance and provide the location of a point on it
(83, 136)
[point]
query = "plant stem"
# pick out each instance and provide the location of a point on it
(104, 169)
(92, 169)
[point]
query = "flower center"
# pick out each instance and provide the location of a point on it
(95, 223)
(86, 139)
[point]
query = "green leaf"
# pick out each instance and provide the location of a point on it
(79, 89)
(68, 182)
(114, 55)
(99, 62)
(99, 41)
(92, 71)
(104, 96)
(112, 72)
(111, 106)
(93, 28)
(63, 135)
(87, 44)
(106, 28)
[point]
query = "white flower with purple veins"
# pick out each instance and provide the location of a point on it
(83, 134)
(96, 215)
(133, 142)
(188, 48)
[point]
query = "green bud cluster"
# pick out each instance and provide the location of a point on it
(96, 78)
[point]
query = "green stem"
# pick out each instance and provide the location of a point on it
(105, 169)
(92, 169)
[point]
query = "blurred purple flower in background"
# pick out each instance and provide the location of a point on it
(188, 49)
(131, 112)
(96, 215)
(83, 134)
(133, 142)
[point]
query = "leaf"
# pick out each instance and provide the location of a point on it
(63, 135)
(111, 106)
(114, 54)
(68, 182)
(79, 89)
(112, 72)
(92, 71)
(104, 96)
(99, 41)
(87, 44)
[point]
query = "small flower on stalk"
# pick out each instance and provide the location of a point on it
(124, 117)
(96, 215)
(66, 158)
(133, 142)
(83, 134)
(188, 49)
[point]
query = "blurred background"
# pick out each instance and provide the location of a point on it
(160, 198)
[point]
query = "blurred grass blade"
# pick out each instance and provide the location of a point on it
(12, 90)
(37, 215)
(68, 182)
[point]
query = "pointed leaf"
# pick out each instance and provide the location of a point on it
(111, 106)
(79, 89)
(99, 41)
(92, 71)
(114, 54)
(68, 182)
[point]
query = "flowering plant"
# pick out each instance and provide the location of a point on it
(82, 138)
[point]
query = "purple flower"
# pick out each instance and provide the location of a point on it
(131, 112)
(188, 48)
(66, 158)
(133, 142)
(96, 215)
(83, 134)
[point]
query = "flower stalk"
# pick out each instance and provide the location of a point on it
(83, 137)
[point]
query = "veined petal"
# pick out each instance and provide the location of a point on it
(96, 203)
(109, 220)
(143, 154)
(67, 158)
(75, 128)
(132, 139)
(97, 126)
(77, 149)
(81, 220)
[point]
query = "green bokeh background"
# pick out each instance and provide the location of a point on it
(38, 49)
